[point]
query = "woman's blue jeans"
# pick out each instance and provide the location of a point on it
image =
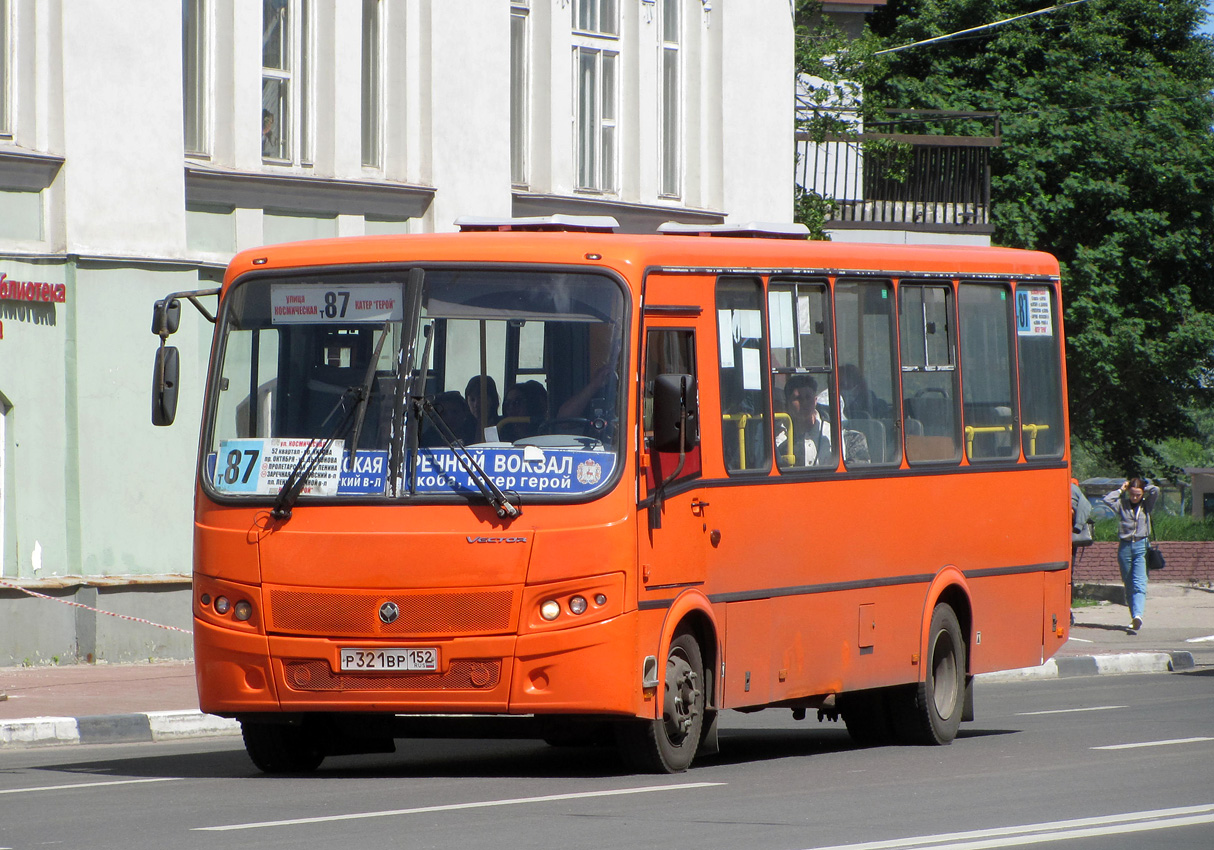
(1132, 558)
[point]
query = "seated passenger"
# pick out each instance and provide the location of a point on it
(810, 433)
(523, 411)
(472, 395)
(453, 410)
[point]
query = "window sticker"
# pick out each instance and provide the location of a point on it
(725, 337)
(262, 466)
(1034, 316)
(780, 313)
(520, 469)
(297, 303)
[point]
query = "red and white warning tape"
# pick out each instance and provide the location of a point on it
(29, 592)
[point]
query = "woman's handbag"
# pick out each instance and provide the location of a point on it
(1155, 559)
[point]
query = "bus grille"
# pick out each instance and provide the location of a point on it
(462, 675)
(431, 614)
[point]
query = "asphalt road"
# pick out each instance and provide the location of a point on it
(1101, 762)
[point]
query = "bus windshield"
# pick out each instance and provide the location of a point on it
(315, 378)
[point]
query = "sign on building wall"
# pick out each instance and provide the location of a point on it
(34, 292)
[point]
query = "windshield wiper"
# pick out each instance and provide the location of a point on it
(406, 375)
(489, 489)
(310, 457)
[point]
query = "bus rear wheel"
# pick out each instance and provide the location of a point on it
(931, 711)
(281, 748)
(668, 744)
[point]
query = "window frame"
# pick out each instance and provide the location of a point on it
(520, 91)
(372, 86)
(6, 70)
(965, 329)
(930, 367)
(295, 77)
(596, 151)
(596, 17)
(670, 104)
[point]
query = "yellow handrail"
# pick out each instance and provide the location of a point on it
(1030, 429)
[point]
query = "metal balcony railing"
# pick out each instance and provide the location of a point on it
(945, 185)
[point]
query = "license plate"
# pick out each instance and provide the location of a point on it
(391, 658)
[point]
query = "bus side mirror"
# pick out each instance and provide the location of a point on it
(675, 413)
(165, 373)
(166, 316)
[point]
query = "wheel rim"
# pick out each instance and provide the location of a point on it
(681, 705)
(944, 674)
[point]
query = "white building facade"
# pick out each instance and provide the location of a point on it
(144, 143)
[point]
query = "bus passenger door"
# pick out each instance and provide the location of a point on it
(673, 532)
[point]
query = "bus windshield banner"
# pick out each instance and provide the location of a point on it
(261, 467)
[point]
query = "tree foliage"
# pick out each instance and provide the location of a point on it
(1107, 162)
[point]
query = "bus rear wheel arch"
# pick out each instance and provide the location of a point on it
(929, 712)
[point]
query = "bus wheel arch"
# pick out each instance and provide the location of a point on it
(931, 711)
(685, 722)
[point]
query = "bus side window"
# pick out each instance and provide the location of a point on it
(742, 350)
(987, 371)
(865, 343)
(1040, 372)
(929, 372)
(668, 352)
(806, 437)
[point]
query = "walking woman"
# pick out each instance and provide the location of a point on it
(1132, 505)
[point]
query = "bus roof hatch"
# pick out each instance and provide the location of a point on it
(753, 229)
(548, 223)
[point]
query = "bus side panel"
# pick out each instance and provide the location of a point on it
(1006, 611)
(820, 643)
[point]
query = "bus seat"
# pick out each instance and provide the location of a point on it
(930, 447)
(874, 433)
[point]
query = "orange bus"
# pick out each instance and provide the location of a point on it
(598, 487)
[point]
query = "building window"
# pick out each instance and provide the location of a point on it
(519, 94)
(597, 16)
(285, 95)
(595, 118)
(194, 30)
(669, 97)
(372, 89)
(5, 70)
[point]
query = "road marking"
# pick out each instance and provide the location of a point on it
(1153, 744)
(1200, 639)
(90, 785)
(1069, 710)
(1018, 836)
(485, 804)
(1080, 640)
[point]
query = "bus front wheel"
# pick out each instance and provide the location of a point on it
(281, 748)
(931, 711)
(668, 744)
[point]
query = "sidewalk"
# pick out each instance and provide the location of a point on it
(123, 703)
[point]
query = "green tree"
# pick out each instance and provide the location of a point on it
(1107, 162)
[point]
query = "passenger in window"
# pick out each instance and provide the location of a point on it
(857, 400)
(523, 411)
(472, 394)
(577, 406)
(268, 146)
(809, 433)
(451, 407)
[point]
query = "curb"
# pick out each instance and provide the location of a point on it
(113, 729)
(1092, 665)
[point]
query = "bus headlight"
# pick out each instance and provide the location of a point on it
(577, 605)
(550, 610)
(222, 604)
(242, 611)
